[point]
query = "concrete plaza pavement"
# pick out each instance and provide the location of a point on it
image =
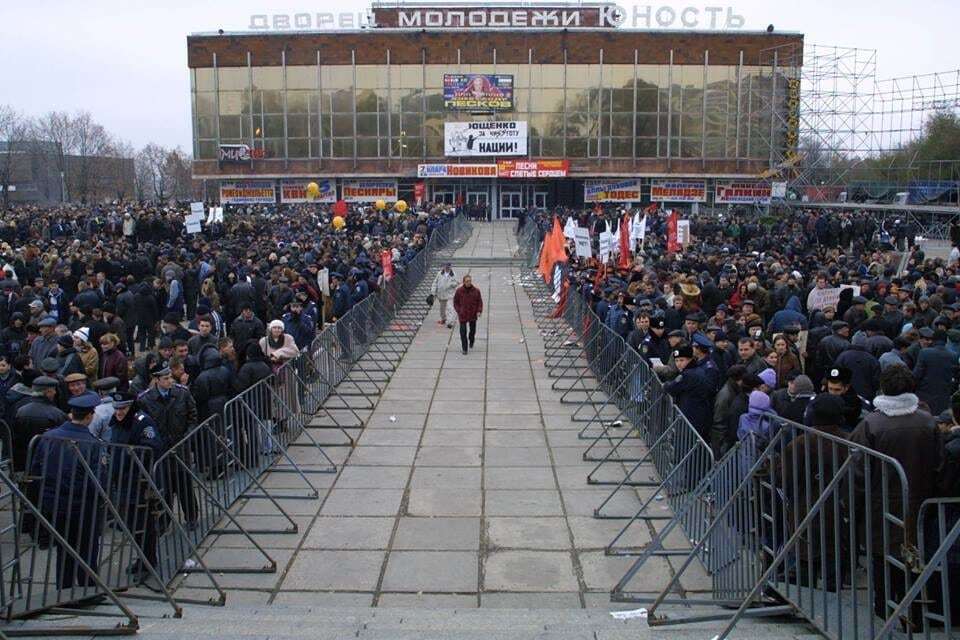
(466, 489)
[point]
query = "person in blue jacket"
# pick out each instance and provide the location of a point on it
(68, 494)
(341, 306)
(300, 325)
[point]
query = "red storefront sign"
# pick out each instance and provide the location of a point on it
(533, 168)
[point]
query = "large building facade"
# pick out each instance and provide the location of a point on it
(492, 106)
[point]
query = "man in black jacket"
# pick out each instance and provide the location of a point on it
(246, 328)
(36, 416)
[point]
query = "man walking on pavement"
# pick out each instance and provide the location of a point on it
(444, 287)
(468, 304)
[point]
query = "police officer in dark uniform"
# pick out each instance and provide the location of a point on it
(655, 344)
(694, 389)
(136, 428)
(341, 306)
(838, 383)
(38, 415)
(67, 492)
(358, 293)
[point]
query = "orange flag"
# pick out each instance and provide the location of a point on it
(624, 242)
(553, 251)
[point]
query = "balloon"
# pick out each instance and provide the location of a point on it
(380, 205)
(401, 206)
(339, 223)
(313, 190)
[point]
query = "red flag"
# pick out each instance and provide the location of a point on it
(652, 208)
(601, 274)
(624, 262)
(672, 245)
(386, 261)
(553, 251)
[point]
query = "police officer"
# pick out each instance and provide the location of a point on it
(39, 414)
(136, 428)
(68, 493)
(694, 388)
(100, 425)
(838, 383)
(358, 293)
(655, 344)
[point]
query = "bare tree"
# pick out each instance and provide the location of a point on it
(14, 130)
(92, 143)
(56, 127)
(156, 168)
(178, 168)
(124, 156)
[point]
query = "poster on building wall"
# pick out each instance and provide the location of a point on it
(678, 190)
(533, 168)
(733, 192)
(295, 191)
(456, 171)
(477, 92)
(488, 138)
(627, 190)
(369, 190)
(248, 192)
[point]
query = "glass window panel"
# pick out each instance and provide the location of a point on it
(371, 76)
(552, 147)
(690, 148)
(299, 101)
(622, 99)
(246, 132)
(269, 102)
(478, 68)
(434, 74)
(266, 78)
(691, 125)
(229, 127)
(298, 126)
(342, 125)
(274, 148)
(715, 147)
(618, 75)
(367, 124)
(203, 80)
(646, 147)
(369, 147)
(621, 147)
(206, 127)
(316, 147)
(691, 75)
(206, 105)
(231, 103)
(411, 123)
(583, 75)
(408, 147)
(369, 102)
(646, 124)
(342, 148)
(301, 77)
(547, 100)
(206, 150)
(434, 101)
(342, 101)
(434, 147)
(233, 78)
(577, 147)
(336, 76)
(411, 76)
(273, 126)
(551, 75)
(298, 148)
(621, 125)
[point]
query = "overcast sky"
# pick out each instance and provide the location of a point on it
(126, 62)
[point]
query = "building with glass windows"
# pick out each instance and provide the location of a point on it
(507, 106)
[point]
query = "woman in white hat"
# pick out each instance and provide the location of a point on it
(88, 355)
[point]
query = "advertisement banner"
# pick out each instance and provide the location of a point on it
(501, 138)
(627, 190)
(678, 191)
(456, 171)
(296, 191)
(477, 92)
(252, 192)
(369, 190)
(732, 192)
(533, 168)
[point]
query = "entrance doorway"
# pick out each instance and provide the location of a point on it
(478, 198)
(540, 199)
(511, 204)
(444, 197)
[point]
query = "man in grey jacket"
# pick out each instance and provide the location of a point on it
(444, 286)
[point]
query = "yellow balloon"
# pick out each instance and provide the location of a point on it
(380, 205)
(339, 223)
(400, 206)
(313, 190)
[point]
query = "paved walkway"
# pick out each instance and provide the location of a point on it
(466, 489)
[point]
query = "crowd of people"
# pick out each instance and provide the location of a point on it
(802, 315)
(119, 325)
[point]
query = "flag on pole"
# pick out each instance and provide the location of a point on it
(553, 251)
(624, 242)
(672, 245)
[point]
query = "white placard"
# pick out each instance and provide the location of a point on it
(196, 209)
(581, 240)
(487, 138)
(193, 227)
(778, 190)
(606, 245)
(569, 229)
(683, 232)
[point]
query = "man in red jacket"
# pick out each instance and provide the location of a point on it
(469, 305)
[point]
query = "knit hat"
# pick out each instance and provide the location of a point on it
(759, 401)
(802, 385)
(275, 323)
(769, 377)
(83, 333)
